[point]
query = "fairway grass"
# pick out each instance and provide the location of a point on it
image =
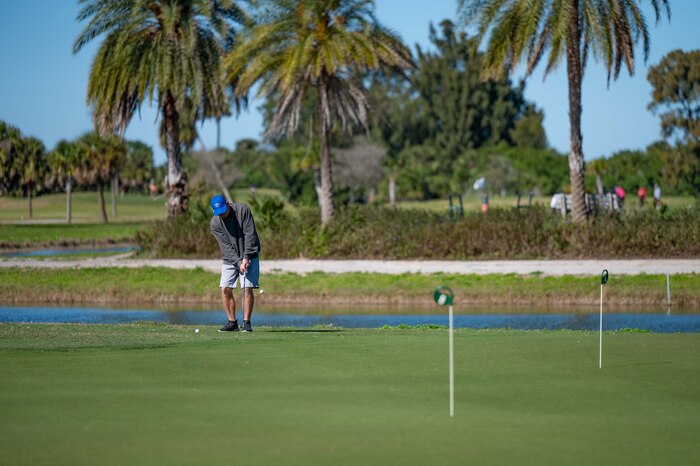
(158, 394)
(85, 207)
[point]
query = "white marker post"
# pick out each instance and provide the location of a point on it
(452, 365)
(443, 296)
(603, 281)
(668, 289)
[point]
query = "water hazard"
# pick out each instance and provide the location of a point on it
(665, 322)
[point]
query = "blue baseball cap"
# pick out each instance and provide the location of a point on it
(218, 204)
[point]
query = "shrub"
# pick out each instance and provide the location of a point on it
(372, 232)
(186, 235)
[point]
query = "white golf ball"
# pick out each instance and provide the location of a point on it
(196, 330)
(261, 291)
(442, 299)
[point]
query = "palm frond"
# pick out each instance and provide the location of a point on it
(313, 45)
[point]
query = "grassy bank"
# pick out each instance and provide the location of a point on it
(161, 285)
(151, 395)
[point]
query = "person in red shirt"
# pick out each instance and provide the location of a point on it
(642, 194)
(620, 196)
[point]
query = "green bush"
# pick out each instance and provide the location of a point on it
(371, 232)
(186, 235)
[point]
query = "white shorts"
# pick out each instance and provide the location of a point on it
(230, 274)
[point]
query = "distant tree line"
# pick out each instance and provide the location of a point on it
(89, 162)
(439, 127)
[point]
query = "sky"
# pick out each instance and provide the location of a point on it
(43, 85)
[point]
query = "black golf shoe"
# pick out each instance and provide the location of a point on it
(246, 326)
(232, 326)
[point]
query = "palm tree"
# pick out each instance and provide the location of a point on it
(321, 47)
(64, 160)
(10, 141)
(167, 50)
(101, 159)
(32, 166)
(568, 28)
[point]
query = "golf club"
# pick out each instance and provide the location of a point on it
(243, 286)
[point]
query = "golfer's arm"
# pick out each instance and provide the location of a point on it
(224, 244)
(252, 244)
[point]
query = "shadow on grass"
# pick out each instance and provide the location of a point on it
(303, 330)
(632, 364)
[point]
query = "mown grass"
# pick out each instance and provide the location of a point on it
(152, 394)
(163, 285)
(68, 235)
(85, 208)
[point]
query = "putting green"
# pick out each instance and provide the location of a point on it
(151, 394)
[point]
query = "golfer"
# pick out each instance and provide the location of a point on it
(233, 227)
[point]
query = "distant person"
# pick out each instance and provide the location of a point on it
(657, 195)
(153, 188)
(485, 203)
(642, 194)
(234, 229)
(620, 193)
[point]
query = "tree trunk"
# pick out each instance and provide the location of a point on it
(101, 198)
(114, 196)
(176, 181)
(325, 200)
(579, 212)
(392, 189)
(69, 189)
(317, 183)
(29, 199)
(371, 195)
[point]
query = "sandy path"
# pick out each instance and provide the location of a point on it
(556, 267)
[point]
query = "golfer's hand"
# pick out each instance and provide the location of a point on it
(244, 265)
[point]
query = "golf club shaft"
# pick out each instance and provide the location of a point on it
(243, 298)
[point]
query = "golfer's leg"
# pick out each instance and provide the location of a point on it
(229, 302)
(249, 302)
(229, 278)
(252, 278)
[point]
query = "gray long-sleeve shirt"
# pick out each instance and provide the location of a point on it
(236, 235)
